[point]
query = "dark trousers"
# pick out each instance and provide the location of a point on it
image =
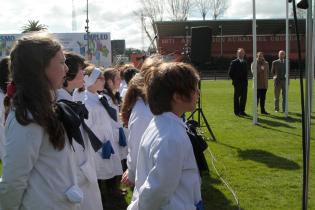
(261, 98)
(240, 97)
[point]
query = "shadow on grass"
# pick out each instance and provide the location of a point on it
(299, 114)
(284, 118)
(273, 123)
(213, 198)
(271, 128)
(267, 158)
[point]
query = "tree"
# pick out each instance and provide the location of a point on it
(33, 25)
(151, 11)
(218, 7)
(204, 6)
(179, 9)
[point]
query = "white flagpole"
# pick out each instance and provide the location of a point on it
(287, 49)
(313, 54)
(254, 66)
(308, 89)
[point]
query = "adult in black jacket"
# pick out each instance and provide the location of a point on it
(238, 74)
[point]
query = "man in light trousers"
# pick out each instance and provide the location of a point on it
(278, 70)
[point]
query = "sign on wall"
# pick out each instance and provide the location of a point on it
(99, 45)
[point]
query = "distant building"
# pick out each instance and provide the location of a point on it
(227, 35)
(118, 49)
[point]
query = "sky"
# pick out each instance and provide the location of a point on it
(114, 16)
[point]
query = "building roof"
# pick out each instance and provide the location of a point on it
(229, 27)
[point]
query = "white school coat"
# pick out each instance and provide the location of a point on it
(167, 176)
(139, 120)
(35, 175)
(2, 95)
(123, 85)
(100, 123)
(123, 151)
(86, 169)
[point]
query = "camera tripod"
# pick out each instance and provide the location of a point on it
(200, 114)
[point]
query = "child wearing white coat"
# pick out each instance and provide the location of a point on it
(84, 153)
(39, 164)
(167, 175)
(136, 114)
(107, 159)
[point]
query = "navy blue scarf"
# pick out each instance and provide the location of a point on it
(72, 115)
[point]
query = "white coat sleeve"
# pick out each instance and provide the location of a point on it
(22, 150)
(136, 129)
(164, 177)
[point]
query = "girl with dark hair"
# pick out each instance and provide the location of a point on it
(128, 75)
(112, 82)
(123, 85)
(167, 173)
(39, 164)
(136, 114)
(84, 150)
(107, 159)
(4, 79)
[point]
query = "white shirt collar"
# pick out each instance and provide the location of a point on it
(92, 96)
(174, 117)
(63, 94)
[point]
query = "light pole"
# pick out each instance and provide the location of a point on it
(87, 30)
(186, 51)
(220, 27)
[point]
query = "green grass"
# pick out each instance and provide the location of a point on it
(262, 163)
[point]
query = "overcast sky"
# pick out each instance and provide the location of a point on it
(114, 16)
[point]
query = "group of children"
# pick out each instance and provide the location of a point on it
(69, 134)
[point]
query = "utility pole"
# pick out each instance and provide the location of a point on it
(87, 30)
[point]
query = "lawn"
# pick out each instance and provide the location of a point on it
(262, 163)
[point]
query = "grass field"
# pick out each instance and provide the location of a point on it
(262, 163)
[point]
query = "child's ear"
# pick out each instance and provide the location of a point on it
(177, 98)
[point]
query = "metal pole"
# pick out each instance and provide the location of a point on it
(312, 58)
(87, 30)
(287, 49)
(308, 86)
(254, 66)
(220, 26)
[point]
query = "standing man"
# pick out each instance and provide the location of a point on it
(238, 74)
(278, 72)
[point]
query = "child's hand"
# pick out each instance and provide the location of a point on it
(125, 180)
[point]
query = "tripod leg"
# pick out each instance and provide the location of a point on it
(191, 116)
(207, 125)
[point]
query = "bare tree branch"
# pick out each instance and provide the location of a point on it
(218, 8)
(204, 6)
(151, 11)
(179, 9)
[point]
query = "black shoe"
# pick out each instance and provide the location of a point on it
(243, 114)
(264, 112)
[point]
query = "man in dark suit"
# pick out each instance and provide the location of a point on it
(278, 71)
(238, 74)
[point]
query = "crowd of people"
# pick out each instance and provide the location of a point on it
(73, 135)
(72, 132)
(238, 74)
